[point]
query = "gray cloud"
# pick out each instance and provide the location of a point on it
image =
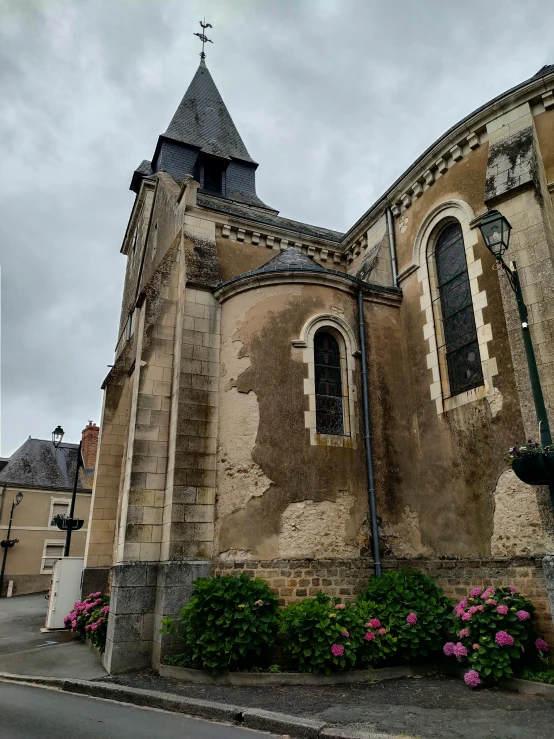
(334, 99)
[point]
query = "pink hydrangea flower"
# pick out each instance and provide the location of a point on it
(502, 610)
(472, 678)
(94, 626)
(370, 636)
(466, 616)
(345, 633)
(490, 602)
(503, 639)
(464, 633)
(475, 592)
(459, 611)
(382, 632)
(459, 650)
(448, 648)
(487, 593)
(463, 603)
(475, 647)
(337, 650)
(340, 606)
(374, 623)
(541, 645)
(523, 615)
(411, 618)
(512, 589)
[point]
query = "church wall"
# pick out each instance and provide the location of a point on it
(276, 491)
(544, 125)
(236, 258)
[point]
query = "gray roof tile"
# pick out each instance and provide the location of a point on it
(38, 464)
(203, 120)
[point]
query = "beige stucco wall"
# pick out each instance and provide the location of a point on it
(31, 525)
(279, 494)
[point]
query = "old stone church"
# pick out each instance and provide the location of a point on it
(233, 435)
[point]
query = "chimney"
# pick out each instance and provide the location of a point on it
(89, 446)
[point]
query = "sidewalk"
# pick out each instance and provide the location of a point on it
(24, 650)
(423, 708)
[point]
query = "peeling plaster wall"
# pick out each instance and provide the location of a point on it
(277, 495)
(319, 530)
(518, 529)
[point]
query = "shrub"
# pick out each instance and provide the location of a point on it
(493, 629)
(89, 619)
(226, 624)
(378, 644)
(321, 634)
(413, 608)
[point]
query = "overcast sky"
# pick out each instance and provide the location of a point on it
(334, 99)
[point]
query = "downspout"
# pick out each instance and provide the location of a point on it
(367, 441)
(392, 244)
(2, 496)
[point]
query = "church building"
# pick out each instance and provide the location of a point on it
(313, 407)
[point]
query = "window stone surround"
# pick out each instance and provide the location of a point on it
(439, 387)
(348, 351)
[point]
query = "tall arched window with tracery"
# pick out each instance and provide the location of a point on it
(460, 346)
(329, 405)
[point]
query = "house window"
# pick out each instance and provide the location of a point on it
(129, 327)
(58, 508)
(328, 385)
(53, 550)
(459, 333)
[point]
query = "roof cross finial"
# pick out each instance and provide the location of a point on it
(202, 36)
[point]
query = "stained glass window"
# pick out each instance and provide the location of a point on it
(458, 320)
(328, 385)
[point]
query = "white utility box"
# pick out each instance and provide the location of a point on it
(65, 589)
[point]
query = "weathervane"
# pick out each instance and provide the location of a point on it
(202, 36)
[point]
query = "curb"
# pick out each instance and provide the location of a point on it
(268, 679)
(529, 687)
(282, 723)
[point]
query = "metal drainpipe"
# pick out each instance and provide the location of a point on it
(2, 496)
(367, 441)
(392, 244)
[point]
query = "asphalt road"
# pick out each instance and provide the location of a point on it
(28, 712)
(24, 650)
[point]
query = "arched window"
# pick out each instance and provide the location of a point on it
(329, 407)
(459, 333)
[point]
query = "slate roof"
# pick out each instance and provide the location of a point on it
(38, 464)
(202, 120)
(271, 219)
(543, 71)
(290, 259)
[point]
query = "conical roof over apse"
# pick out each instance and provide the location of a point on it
(202, 120)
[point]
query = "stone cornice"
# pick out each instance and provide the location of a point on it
(243, 230)
(336, 280)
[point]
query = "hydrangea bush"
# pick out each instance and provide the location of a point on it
(414, 609)
(493, 629)
(89, 619)
(321, 634)
(228, 623)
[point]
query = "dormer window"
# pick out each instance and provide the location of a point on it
(211, 173)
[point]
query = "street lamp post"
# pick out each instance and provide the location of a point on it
(495, 230)
(7, 543)
(69, 524)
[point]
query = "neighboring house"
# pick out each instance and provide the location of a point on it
(45, 475)
(232, 436)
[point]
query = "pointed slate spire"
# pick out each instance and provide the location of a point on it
(202, 120)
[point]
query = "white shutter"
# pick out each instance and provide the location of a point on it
(59, 509)
(52, 552)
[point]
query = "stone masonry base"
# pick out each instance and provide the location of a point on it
(295, 579)
(141, 595)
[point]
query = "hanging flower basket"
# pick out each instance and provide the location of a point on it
(533, 464)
